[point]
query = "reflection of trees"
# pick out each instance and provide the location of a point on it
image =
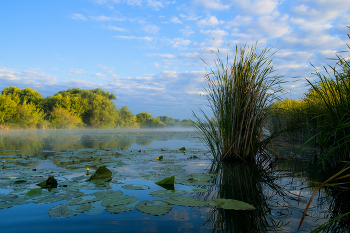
(244, 182)
(37, 141)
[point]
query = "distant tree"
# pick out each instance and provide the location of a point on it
(27, 116)
(142, 118)
(62, 119)
(154, 123)
(186, 123)
(125, 118)
(21, 108)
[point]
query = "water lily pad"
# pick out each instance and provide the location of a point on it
(96, 208)
(66, 211)
(4, 205)
(167, 193)
(20, 181)
(182, 149)
(102, 173)
(194, 182)
(135, 187)
(119, 200)
(81, 200)
(231, 204)
(119, 209)
(34, 192)
(48, 199)
(154, 208)
(186, 201)
(168, 180)
(202, 176)
(199, 190)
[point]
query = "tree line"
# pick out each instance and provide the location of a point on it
(73, 108)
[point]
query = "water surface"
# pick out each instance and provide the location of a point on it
(31, 156)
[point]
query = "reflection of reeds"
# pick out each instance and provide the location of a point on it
(238, 95)
(244, 182)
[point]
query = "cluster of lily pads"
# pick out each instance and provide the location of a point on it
(74, 170)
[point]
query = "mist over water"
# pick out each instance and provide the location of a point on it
(131, 154)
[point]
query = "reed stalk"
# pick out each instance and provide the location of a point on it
(238, 95)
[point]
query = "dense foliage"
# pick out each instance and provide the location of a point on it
(73, 108)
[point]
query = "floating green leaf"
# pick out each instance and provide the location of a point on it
(182, 149)
(186, 201)
(135, 187)
(96, 208)
(154, 207)
(34, 192)
(199, 190)
(231, 204)
(4, 205)
(168, 180)
(119, 200)
(119, 209)
(167, 193)
(65, 211)
(102, 174)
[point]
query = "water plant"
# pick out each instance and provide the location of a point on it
(238, 95)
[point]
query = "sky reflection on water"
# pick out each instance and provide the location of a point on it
(273, 191)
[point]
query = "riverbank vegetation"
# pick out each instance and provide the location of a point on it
(239, 95)
(70, 109)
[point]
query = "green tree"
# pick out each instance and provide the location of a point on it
(125, 118)
(142, 118)
(62, 119)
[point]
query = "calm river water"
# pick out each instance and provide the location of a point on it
(77, 205)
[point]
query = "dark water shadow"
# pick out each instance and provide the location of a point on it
(249, 183)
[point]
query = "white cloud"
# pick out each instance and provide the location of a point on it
(209, 21)
(162, 55)
(150, 28)
(155, 4)
(102, 18)
(274, 27)
(156, 64)
(175, 20)
(211, 4)
(190, 17)
(179, 42)
(114, 28)
(8, 74)
(238, 20)
(146, 38)
(78, 16)
(99, 75)
(77, 71)
(187, 31)
(134, 2)
(216, 34)
(257, 7)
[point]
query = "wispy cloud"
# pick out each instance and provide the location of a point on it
(162, 55)
(179, 42)
(102, 18)
(77, 71)
(209, 22)
(211, 4)
(78, 16)
(175, 20)
(114, 28)
(99, 75)
(145, 38)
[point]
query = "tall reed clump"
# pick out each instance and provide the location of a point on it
(329, 106)
(238, 95)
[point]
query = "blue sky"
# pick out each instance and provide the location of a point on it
(147, 52)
